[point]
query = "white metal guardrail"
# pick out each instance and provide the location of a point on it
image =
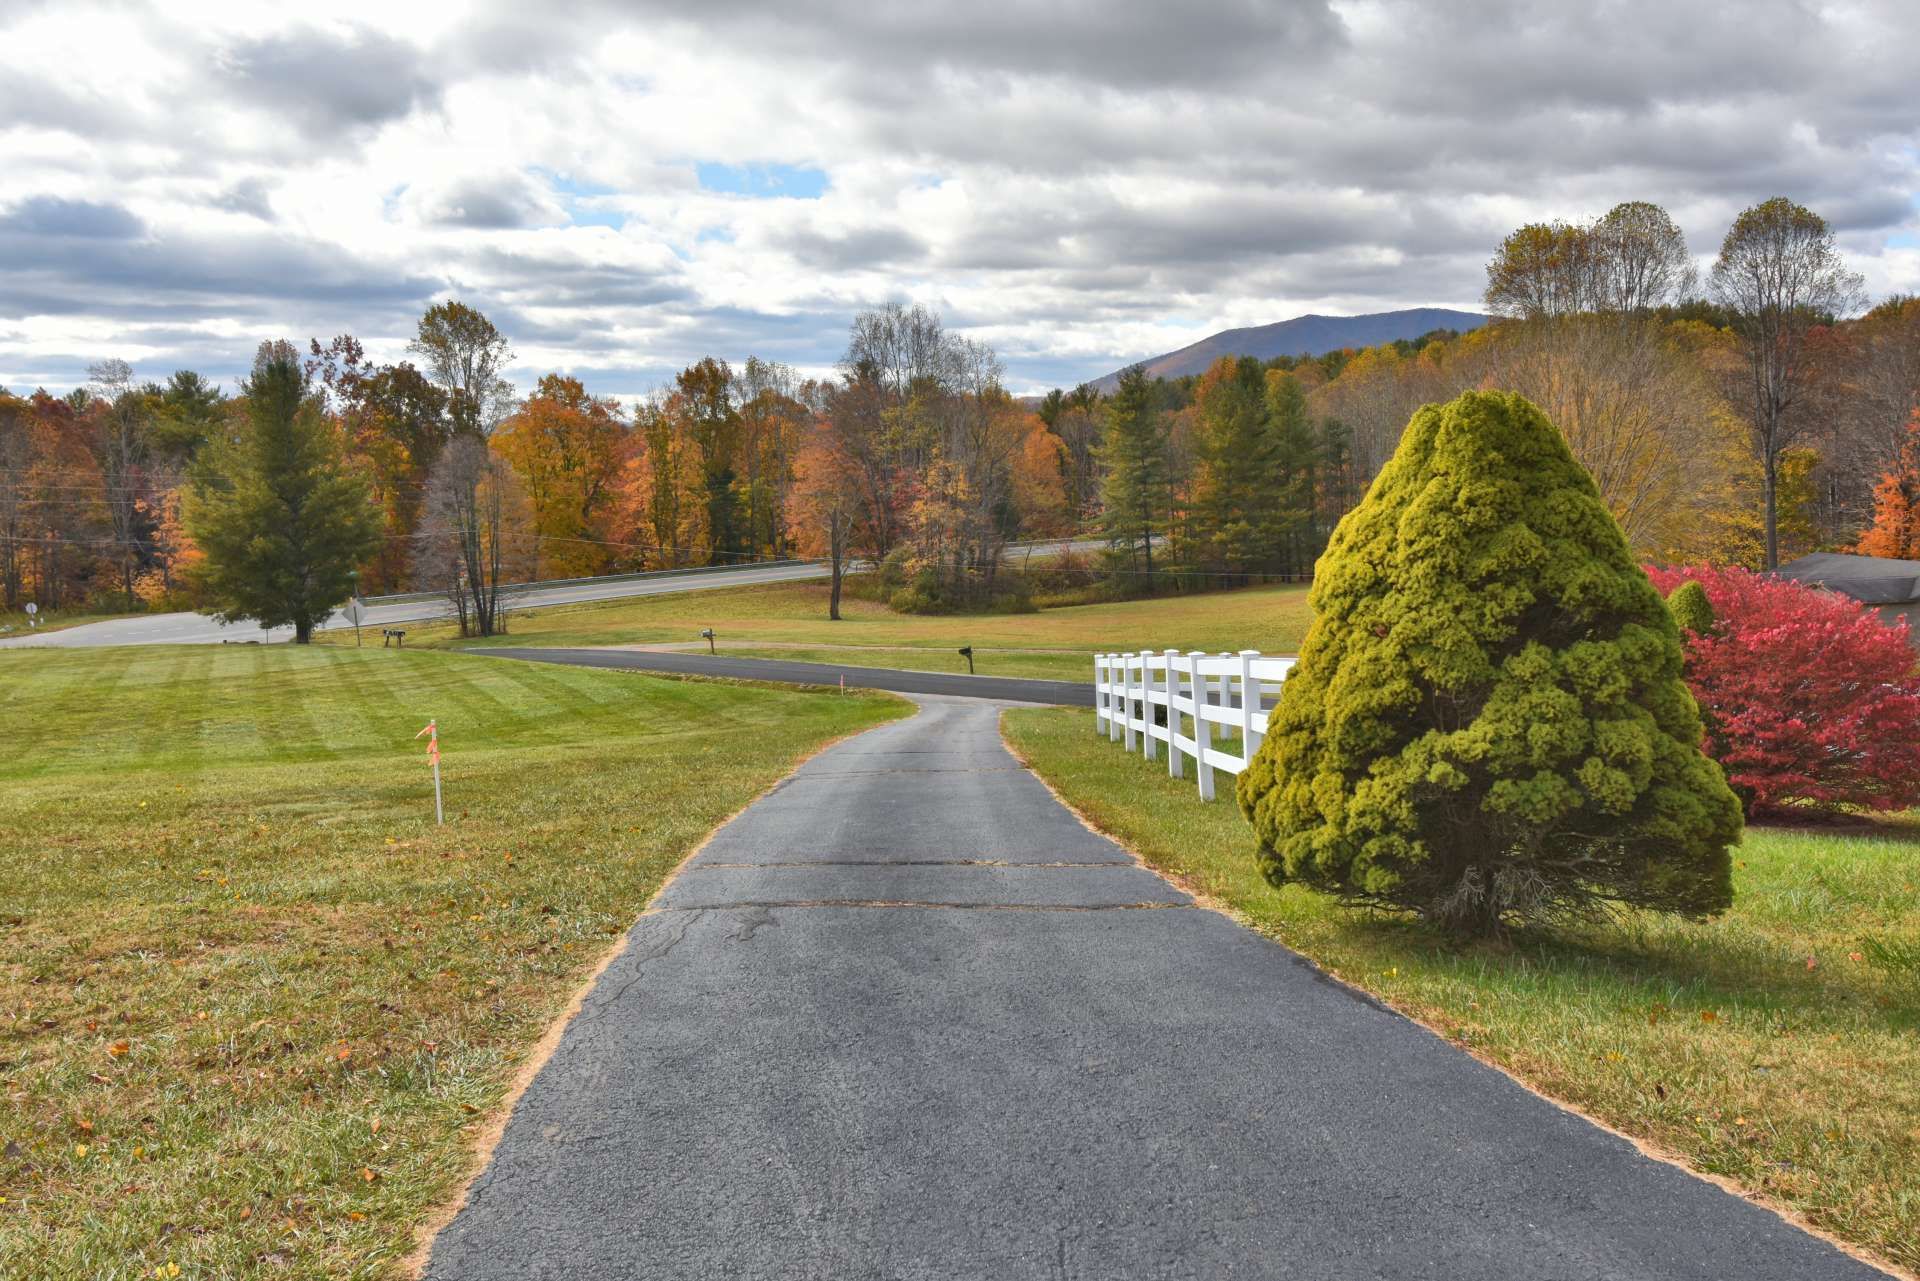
(1149, 697)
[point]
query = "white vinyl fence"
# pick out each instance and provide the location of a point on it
(1151, 697)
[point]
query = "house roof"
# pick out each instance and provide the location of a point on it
(1871, 580)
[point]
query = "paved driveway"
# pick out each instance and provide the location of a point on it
(906, 1018)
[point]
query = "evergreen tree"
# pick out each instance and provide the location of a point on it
(1487, 723)
(1294, 458)
(282, 521)
(1234, 505)
(1138, 489)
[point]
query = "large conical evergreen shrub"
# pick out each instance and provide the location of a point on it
(1487, 723)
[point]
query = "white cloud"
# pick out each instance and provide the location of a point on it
(1078, 184)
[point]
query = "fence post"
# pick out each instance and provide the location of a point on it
(1147, 749)
(1126, 676)
(1173, 715)
(1249, 704)
(1202, 727)
(1099, 692)
(1113, 700)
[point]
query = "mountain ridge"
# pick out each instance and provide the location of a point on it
(1311, 334)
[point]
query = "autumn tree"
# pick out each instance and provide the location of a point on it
(569, 449)
(826, 498)
(1895, 532)
(1039, 480)
(1779, 276)
(466, 357)
(1586, 337)
(773, 422)
(663, 504)
(282, 521)
(395, 422)
(124, 413)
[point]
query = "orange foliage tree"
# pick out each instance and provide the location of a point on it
(570, 450)
(1896, 503)
(826, 502)
(662, 507)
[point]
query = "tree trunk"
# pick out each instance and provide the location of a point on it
(833, 598)
(1770, 470)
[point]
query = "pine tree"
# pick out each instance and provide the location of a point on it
(1294, 456)
(1487, 723)
(1231, 516)
(282, 522)
(1138, 489)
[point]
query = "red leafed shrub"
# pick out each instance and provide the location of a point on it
(1810, 700)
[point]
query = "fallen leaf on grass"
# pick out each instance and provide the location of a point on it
(118, 1049)
(1708, 1016)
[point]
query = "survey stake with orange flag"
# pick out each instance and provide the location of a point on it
(432, 734)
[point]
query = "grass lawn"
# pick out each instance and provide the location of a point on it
(1778, 1046)
(1054, 643)
(253, 1003)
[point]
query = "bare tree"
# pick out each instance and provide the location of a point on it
(477, 535)
(1780, 276)
(1640, 260)
(1881, 387)
(465, 355)
(125, 422)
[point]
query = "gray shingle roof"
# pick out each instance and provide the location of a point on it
(1871, 580)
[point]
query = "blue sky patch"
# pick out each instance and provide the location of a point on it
(580, 199)
(763, 182)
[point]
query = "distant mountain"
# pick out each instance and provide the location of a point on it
(1309, 335)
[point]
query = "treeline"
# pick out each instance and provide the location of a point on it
(916, 456)
(1743, 419)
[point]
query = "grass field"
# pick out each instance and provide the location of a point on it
(1778, 1046)
(1053, 643)
(253, 1003)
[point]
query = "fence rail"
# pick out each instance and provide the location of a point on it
(1148, 697)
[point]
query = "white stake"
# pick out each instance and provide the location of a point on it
(432, 735)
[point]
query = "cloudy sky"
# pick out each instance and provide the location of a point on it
(626, 187)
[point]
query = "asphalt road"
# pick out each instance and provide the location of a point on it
(203, 629)
(1006, 689)
(906, 1018)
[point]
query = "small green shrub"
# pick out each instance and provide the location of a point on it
(1691, 608)
(1487, 723)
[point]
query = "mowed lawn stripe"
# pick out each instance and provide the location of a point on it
(255, 1004)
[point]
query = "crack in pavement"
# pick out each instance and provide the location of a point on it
(898, 862)
(878, 902)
